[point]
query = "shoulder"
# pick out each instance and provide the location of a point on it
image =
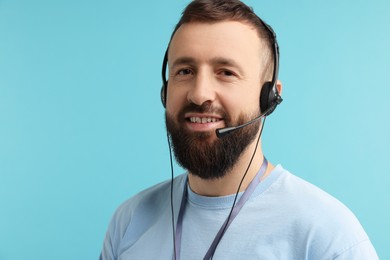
(151, 199)
(138, 213)
(302, 195)
(312, 215)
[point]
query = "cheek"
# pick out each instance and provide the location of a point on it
(175, 101)
(242, 103)
(253, 99)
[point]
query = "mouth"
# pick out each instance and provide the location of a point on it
(203, 122)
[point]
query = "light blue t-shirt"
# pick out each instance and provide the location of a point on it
(285, 218)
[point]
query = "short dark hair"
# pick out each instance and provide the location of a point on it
(211, 11)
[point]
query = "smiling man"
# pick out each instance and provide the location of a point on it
(231, 203)
(214, 82)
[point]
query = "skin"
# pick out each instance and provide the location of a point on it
(219, 64)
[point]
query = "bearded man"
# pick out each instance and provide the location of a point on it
(231, 203)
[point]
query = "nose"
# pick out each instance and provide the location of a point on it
(202, 91)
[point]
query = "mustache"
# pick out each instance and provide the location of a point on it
(204, 108)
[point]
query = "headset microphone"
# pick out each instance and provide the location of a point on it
(221, 132)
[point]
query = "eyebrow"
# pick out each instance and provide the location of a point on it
(182, 61)
(227, 62)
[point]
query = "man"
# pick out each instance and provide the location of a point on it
(232, 203)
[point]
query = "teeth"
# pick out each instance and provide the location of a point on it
(203, 120)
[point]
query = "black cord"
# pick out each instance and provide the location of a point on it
(239, 186)
(172, 210)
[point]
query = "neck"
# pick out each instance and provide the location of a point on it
(228, 184)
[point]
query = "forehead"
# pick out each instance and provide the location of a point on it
(232, 40)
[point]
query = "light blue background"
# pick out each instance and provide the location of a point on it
(82, 129)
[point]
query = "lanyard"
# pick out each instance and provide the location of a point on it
(236, 209)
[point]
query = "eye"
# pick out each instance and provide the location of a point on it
(227, 73)
(184, 72)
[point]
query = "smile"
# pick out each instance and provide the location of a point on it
(203, 120)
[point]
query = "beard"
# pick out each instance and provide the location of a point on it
(202, 157)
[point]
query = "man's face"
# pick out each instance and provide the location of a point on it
(214, 82)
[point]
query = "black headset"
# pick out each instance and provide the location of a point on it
(269, 96)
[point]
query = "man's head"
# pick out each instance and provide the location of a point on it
(219, 57)
(208, 11)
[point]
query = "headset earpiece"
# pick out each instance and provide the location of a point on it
(269, 98)
(163, 94)
(264, 96)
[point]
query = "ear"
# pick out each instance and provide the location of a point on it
(279, 87)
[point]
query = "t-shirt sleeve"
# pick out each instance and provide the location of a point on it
(362, 251)
(107, 252)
